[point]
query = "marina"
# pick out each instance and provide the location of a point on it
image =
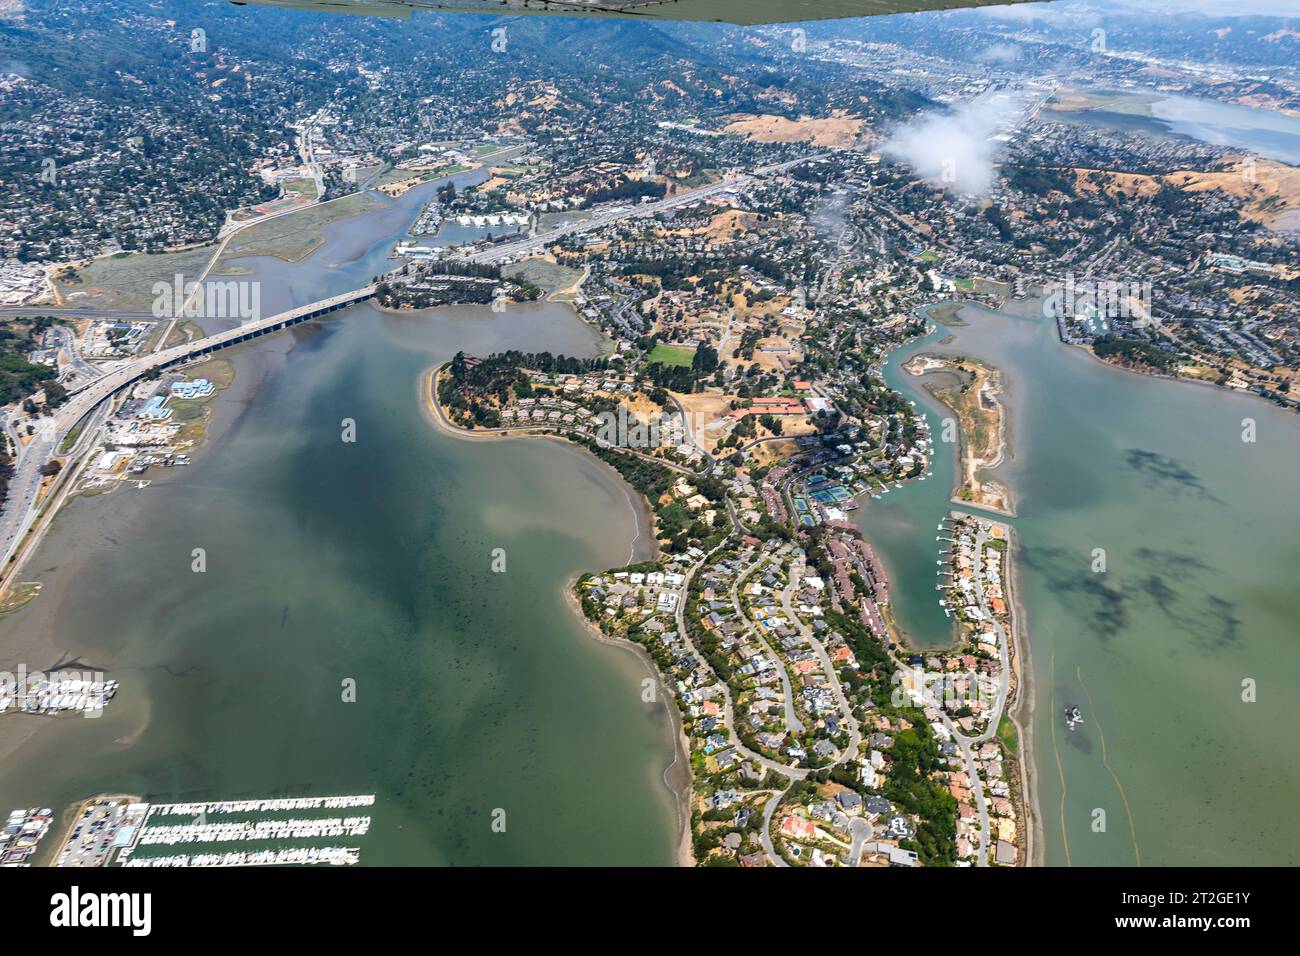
(1197, 591)
(242, 830)
(209, 712)
(429, 220)
(55, 694)
(295, 856)
(22, 833)
(125, 831)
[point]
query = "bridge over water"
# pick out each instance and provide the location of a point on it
(20, 507)
(180, 354)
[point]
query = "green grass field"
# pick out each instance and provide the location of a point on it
(193, 414)
(294, 236)
(669, 355)
(125, 281)
(1007, 731)
(424, 175)
(549, 276)
(548, 220)
(301, 188)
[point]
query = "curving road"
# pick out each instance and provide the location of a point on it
(851, 722)
(793, 724)
(729, 714)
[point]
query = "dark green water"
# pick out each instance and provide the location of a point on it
(1202, 539)
(370, 561)
(478, 691)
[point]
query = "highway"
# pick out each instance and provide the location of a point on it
(77, 312)
(78, 369)
(21, 506)
(523, 247)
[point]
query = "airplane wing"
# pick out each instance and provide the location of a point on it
(719, 11)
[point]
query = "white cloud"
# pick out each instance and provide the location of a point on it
(1024, 11)
(955, 150)
(999, 53)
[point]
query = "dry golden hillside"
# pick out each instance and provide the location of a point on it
(838, 129)
(1272, 190)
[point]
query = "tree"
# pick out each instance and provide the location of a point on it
(55, 395)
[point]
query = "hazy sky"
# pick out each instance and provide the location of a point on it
(1216, 8)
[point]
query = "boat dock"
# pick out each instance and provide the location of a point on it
(125, 831)
(49, 696)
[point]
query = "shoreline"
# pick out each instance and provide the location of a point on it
(1089, 353)
(681, 791)
(1020, 706)
(1036, 315)
(969, 464)
(65, 548)
(72, 484)
(1021, 714)
(684, 855)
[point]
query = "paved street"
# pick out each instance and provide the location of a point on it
(523, 247)
(792, 722)
(797, 569)
(21, 506)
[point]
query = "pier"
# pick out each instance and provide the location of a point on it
(115, 830)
